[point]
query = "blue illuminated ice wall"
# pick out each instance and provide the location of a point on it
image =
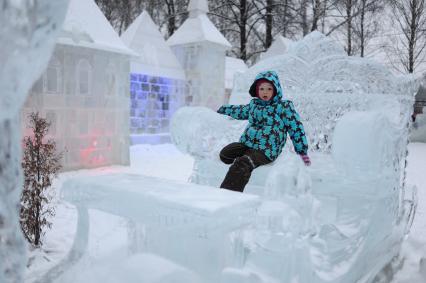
(153, 101)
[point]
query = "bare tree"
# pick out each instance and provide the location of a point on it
(174, 14)
(366, 25)
(319, 8)
(269, 22)
(277, 17)
(239, 20)
(286, 15)
(120, 13)
(349, 8)
(356, 20)
(168, 13)
(346, 11)
(410, 19)
(313, 12)
(303, 11)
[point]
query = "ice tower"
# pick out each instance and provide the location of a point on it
(201, 48)
(157, 86)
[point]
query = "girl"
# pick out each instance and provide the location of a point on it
(270, 120)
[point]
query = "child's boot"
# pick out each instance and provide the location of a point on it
(238, 174)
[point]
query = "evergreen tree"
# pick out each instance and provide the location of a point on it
(41, 163)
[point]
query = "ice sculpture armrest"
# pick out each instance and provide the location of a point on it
(364, 143)
(361, 158)
(201, 132)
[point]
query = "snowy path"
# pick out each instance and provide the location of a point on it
(165, 161)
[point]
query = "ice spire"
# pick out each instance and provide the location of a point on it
(197, 7)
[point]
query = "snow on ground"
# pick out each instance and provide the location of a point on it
(414, 248)
(165, 161)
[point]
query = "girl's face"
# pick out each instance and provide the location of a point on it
(266, 91)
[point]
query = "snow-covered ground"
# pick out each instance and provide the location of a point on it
(414, 248)
(165, 161)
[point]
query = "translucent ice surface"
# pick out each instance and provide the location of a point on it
(343, 218)
(27, 34)
(186, 225)
(324, 83)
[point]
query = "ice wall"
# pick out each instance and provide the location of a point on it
(84, 93)
(153, 101)
(27, 36)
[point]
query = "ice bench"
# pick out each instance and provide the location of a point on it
(198, 218)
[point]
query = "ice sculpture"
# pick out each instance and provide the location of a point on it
(187, 224)
(84, 91)
(279, 46)
(232, 66)
(343, 218)
(27, 34)
(324, 83)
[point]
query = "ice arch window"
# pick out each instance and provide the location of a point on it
(52, 119)
(84, 77)
(191, 57)
(53, 76)
(111, 83)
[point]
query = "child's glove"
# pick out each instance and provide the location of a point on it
(306, 159)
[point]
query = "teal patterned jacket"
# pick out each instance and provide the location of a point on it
(269, 121)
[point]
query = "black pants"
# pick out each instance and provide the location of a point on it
(243, 160)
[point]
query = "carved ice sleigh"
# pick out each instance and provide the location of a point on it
(343, 218)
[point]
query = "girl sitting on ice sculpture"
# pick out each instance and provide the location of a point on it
(270, 120)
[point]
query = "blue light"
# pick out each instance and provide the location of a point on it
(152, 103)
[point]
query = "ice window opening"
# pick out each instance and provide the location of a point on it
(53, 77)
(191, 57)
(84, 77)
(52, 119)
(111, 85)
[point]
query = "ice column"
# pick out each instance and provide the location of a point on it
(27, 35)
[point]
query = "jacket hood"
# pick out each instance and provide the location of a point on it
(272, 77)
